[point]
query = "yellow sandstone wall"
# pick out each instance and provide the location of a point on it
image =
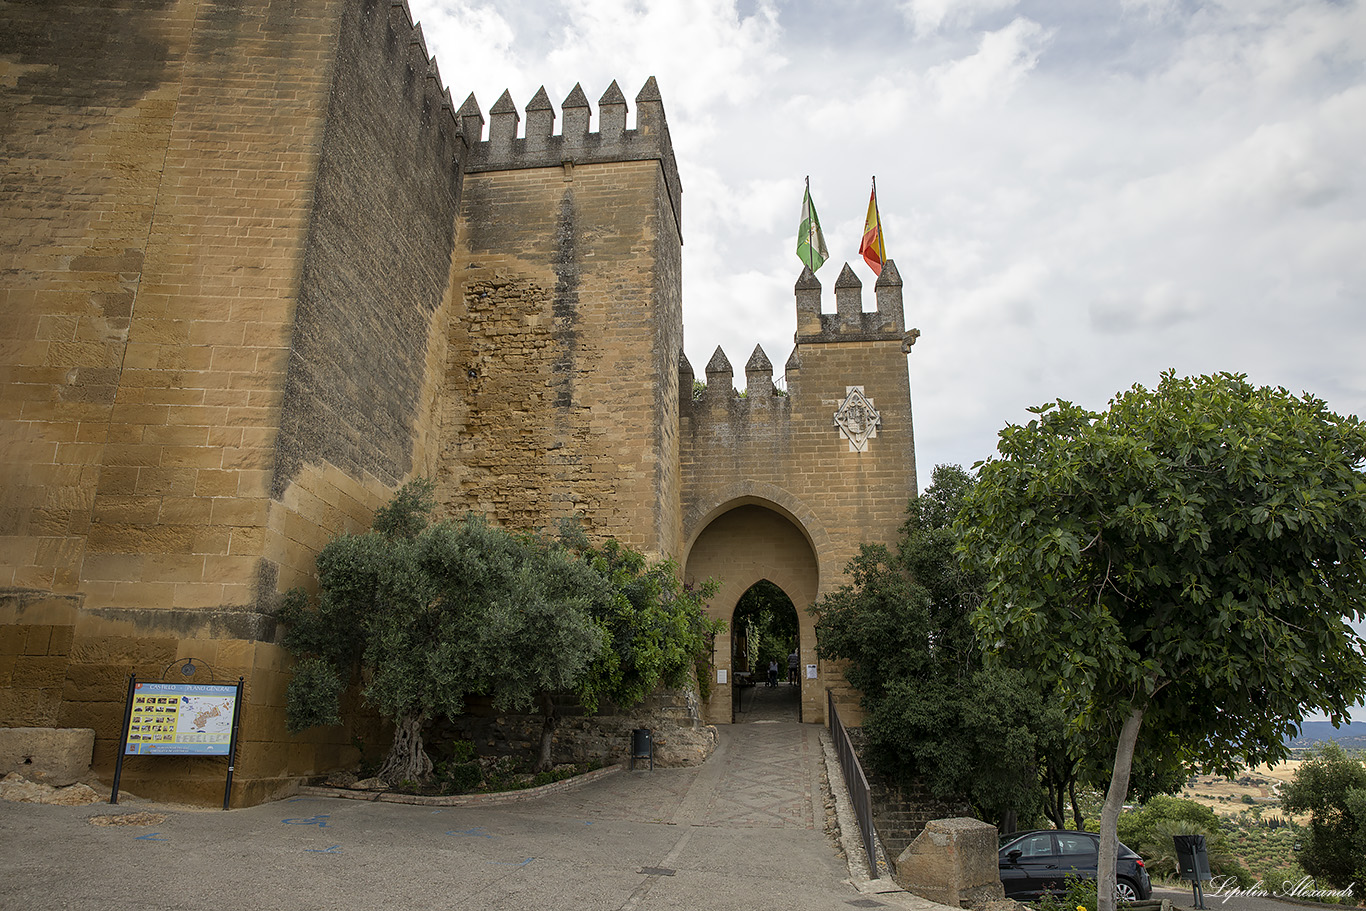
(227, 232)
(561, 396)
(258, 272)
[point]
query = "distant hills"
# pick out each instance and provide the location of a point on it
(1350, 736)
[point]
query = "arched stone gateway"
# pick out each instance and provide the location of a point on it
(785, 486)
(743, 545)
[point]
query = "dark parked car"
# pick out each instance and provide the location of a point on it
(1033, 863)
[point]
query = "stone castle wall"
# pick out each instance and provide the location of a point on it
(259, 272)
(191, 244)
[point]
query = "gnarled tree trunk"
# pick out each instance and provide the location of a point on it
(548, 724)
(407, 760)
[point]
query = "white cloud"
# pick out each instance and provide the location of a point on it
(1159, 306)
(1001, 61)
(703, 52)
(486, 43)
(1007, 296)
(1258, 51)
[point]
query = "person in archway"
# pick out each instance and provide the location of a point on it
(792, 663)
(773, 672)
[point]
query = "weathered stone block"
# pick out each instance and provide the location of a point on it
(953, 862)
(52, 756)
(21, 705)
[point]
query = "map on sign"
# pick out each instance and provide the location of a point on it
(181, 719)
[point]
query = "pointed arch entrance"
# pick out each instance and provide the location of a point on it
(764, 640)
(744, 542)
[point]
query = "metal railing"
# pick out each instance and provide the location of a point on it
(855, 781)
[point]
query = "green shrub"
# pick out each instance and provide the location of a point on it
(1080, 896)
(460, 777)
(314, 692)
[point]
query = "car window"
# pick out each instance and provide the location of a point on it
(1040, 845)
(1076, 843)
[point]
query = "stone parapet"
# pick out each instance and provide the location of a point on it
(540, 147)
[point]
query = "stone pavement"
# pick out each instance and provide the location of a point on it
(744, 831)
(768, 703)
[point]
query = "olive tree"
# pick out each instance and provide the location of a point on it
(430, 614)
(1182, 566)
(434, 613)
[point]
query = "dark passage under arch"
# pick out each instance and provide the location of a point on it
(765, 633)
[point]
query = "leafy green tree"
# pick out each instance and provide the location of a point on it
(656, 627)
(772, 622)
(434, 613)
(1331, 788)
(934, 713)
(1180, 567)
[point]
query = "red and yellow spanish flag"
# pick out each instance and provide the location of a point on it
(871, 247)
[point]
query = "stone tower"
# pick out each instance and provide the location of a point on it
(561, 394)
(785, 485)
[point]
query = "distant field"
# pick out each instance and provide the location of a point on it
(1261, 784)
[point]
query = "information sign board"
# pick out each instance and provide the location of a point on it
(180, 719)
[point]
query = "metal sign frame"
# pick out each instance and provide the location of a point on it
(165, 699)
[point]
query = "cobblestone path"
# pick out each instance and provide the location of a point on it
(764, 774)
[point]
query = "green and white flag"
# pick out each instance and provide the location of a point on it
(810, 241)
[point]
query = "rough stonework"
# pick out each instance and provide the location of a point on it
(953, 862)
(53, 756)
(679, 736)
(17, 789)
(261, 271)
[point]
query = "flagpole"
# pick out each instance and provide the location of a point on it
(810, 228)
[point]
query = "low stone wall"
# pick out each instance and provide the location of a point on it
(464, 800)
(50, 756)
(679, 735)
(900, 813)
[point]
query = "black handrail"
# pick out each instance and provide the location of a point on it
(856, 782)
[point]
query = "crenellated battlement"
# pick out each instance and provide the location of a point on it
(849, 322)
(539, 146)
(407, 45)
(760, 390)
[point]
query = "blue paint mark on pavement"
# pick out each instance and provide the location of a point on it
(152, 836)
(335, 849)
(476, 832)
(320, 820)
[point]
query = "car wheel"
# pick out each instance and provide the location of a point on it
(1125, 891)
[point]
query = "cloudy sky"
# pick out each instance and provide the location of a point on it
(1079, 194)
